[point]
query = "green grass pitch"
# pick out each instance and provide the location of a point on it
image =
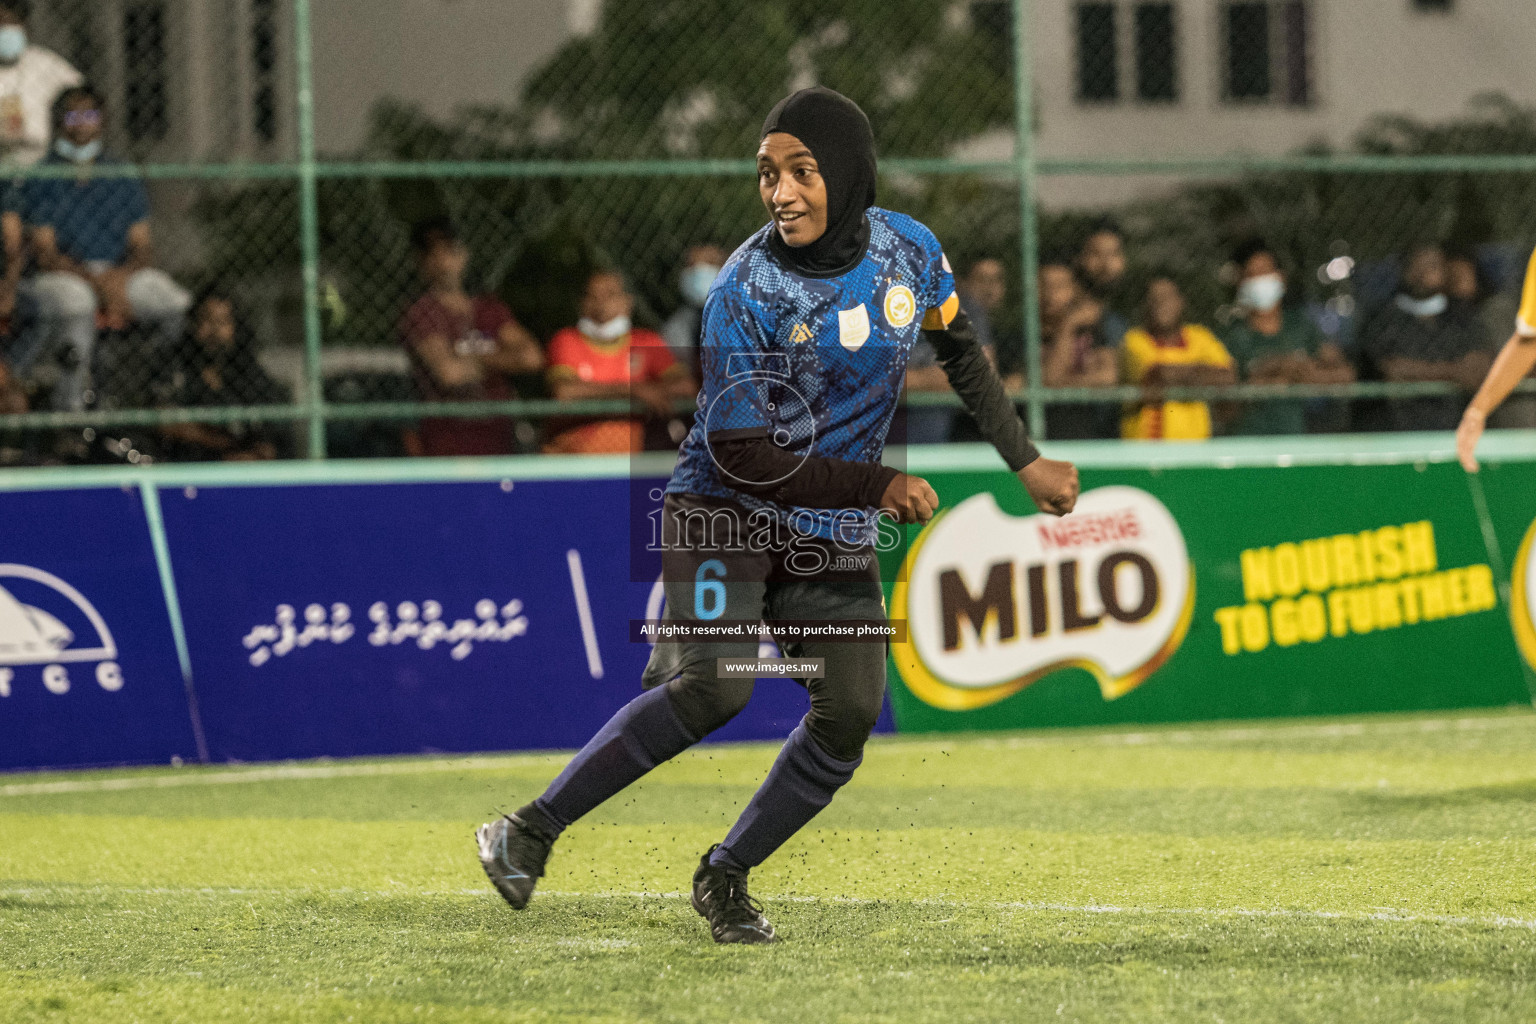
(1355, 870)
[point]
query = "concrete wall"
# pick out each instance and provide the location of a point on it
(1369, 57)
(440, 54)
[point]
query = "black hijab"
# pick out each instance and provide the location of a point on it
(838, 135)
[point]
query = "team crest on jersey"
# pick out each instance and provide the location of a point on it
(853, 327)
(900, 305)
(800, 335)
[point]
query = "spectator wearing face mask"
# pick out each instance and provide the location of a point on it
(1273, 343)
(606, 357)
(94, 251)
(1101, 269)
(701, 265)
(1423, 336)
(31, 79)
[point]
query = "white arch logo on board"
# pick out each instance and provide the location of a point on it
(34, 635)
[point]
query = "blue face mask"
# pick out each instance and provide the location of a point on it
(76, 153)
(13, 42)
(695, 281)
(1423, 308)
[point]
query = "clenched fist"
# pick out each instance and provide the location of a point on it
(1053, 485)
(910, 498)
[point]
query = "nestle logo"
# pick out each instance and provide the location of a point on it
(1081, 531)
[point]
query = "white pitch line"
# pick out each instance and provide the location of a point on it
(279, 773)
(1382, 916)
(513, 760)
(1338, 730)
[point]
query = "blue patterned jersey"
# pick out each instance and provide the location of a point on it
(816, 364)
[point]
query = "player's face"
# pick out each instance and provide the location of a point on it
(792, 188)
(1165, 306)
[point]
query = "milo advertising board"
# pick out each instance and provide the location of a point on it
(1200, 593)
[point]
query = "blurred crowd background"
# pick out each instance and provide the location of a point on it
(369, 228)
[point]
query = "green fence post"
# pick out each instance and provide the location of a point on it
(1024, 168)
(309, 227)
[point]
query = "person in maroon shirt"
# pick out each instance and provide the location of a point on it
(463, 347)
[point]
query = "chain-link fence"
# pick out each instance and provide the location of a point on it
(275, 228)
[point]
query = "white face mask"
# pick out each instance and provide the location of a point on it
(695, 281)
(1432, 306)
(1261, 294)
(13, 42)
(608, 330)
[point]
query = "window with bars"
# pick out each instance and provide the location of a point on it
(1157, 69)
(1153, 51)
(1267, 52)
(1098, 53)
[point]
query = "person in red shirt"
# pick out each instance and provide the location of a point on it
(462, 347)
(604, 356)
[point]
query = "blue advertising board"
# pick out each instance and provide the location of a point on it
(385, 618)
(88, 666)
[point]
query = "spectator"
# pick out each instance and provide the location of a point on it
(981, 291)
(701, 264)
(31, 79)
(1276, 344)
(462, 347)
(1101, 268)
(1075, 353)
(93, 249)
(1167, 352)
(215, 365)
(1421, 336)
(604, 357)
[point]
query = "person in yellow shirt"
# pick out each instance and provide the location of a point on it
(1514, 362)
(1164, 352)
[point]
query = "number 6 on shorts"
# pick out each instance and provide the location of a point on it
(708, 591)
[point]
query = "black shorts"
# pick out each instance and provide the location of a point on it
(713, 571)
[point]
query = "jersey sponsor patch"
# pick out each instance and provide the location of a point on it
(853, 327)
(900, 305)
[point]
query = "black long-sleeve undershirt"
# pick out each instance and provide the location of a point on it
(757, 466)
(971, 375)
(813, 481)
